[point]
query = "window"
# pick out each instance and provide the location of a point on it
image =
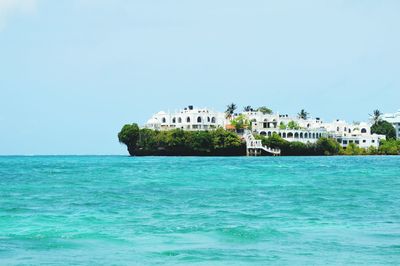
(179, 120)
(213, 120)
(208, 119)
(350, 141)
(262, 133)
(199, 119)
(188, 119)
(290, 135)
(373, 141)
(363, 130)
(164, 120)
(357, 142)
(344, 142)
(284, 135)
(174, 120)
(364, 141)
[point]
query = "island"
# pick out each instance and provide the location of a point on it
(259, 132)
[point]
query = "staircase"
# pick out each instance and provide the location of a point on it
(254, 146)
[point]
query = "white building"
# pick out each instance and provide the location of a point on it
(394, 119)
(188, 119)
(289, 128)
(359, 134)
(304, 131)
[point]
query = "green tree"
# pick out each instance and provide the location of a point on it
(240, 122)
(353, 149)
(376, 116)
(282, 126)
(264, 110)
(293, 125)
(303, 114)
(383, 127)
(230, 110)
(327, 146)
(389, 147)
(247, 108)
(129, 136)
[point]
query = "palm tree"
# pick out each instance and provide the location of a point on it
(247, 108)
(230, 110)
(376, 116)
(303, 114)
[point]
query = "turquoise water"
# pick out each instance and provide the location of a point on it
(202, 211)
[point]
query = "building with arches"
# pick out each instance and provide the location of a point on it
(287, 127)
(189, 118)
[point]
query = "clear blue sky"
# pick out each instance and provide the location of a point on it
(72, 72)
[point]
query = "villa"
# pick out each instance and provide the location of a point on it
(189, 118)
(289, 128)
(394, 119)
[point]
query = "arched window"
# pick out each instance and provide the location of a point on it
(213, 120)
(174, 120)
(349, 130)
(296, 135)
(280, 134)
(188, 119)
(284, 135)
(269, 134)
(305, 135)
(164, 120)
(301, 135)
(199, 119)
(308, 125)
(208, 119)
(179, 120)
(313, 135)
(263, 133)
(363, 130)
(337, 129)
(290, 135)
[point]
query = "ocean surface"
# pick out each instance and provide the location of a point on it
(116, 210)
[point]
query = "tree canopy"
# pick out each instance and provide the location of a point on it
(383, 127)
(264, 110)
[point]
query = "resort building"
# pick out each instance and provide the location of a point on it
(357, 133)
(189, 118)
(394, 119)
(289, 128)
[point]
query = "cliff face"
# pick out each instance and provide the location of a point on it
(183, 151)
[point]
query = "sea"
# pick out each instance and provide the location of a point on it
(120, 210)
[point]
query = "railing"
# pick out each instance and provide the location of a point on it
(252, 143)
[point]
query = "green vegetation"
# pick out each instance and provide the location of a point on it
(181, 143)
(303, 114)
(247, 108)
(324, 146)
(292, 125)
(384, 128)
(129, 136)
(230, 110)
(241, 122)
(264, 110)
(389, 147)
(376, 116)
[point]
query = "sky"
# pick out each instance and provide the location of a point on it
(72, 72)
